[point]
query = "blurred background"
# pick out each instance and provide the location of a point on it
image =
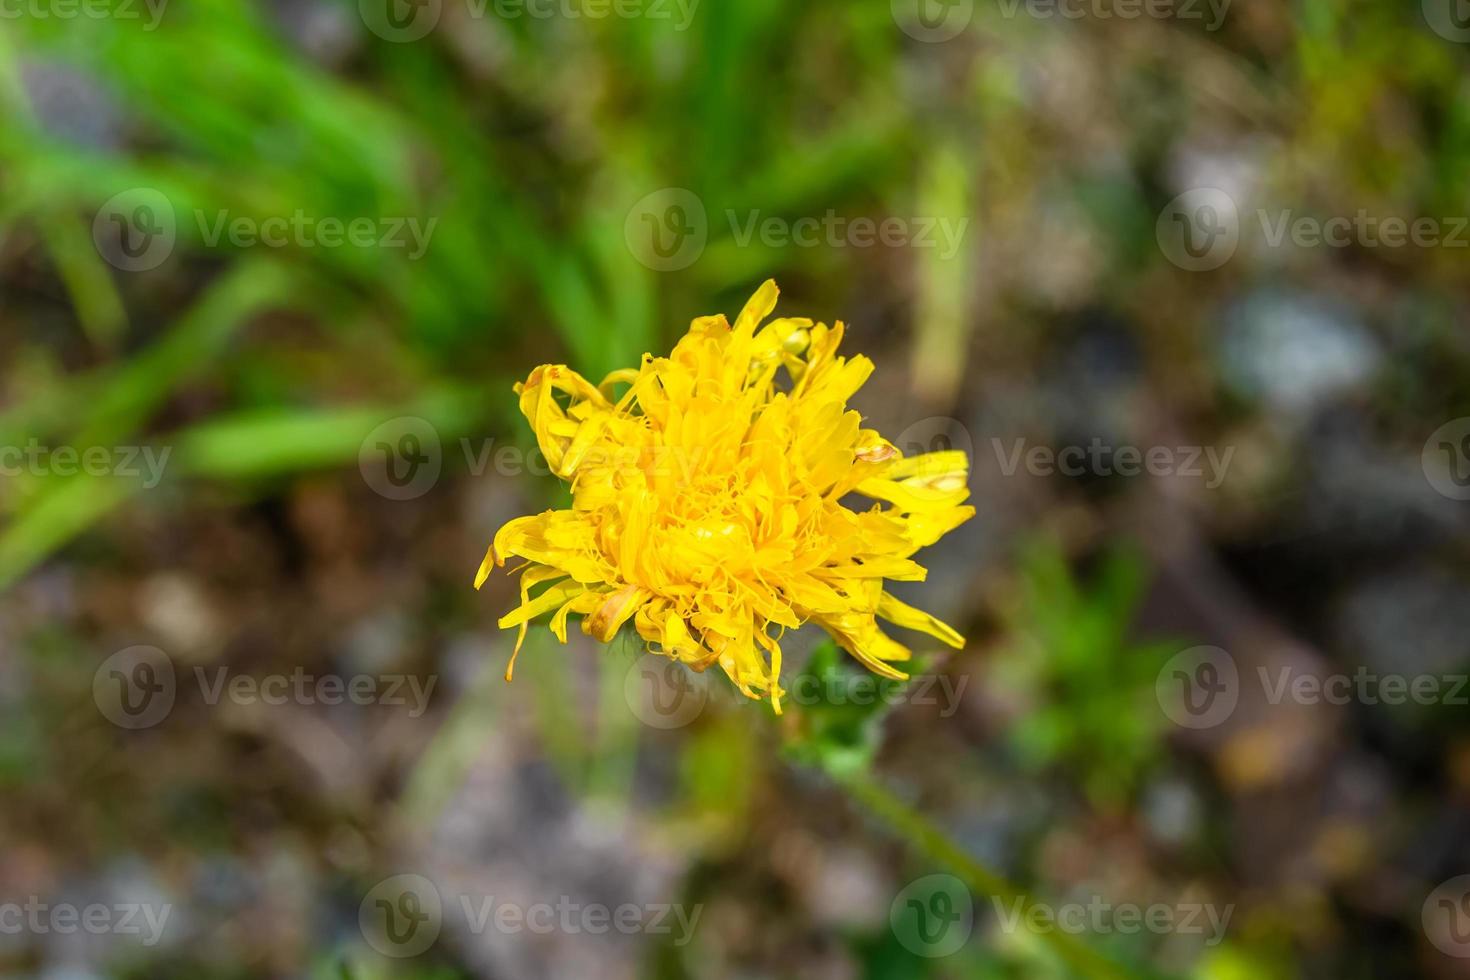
(1187, 278)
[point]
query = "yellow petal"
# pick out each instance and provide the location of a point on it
(757, 308)
(902, 614)
(615, 610)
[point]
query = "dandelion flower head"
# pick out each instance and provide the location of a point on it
(710, 503)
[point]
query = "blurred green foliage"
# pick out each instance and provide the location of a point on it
(839, 734)
(1085, 683)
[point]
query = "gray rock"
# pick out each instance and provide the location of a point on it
(1292, 353)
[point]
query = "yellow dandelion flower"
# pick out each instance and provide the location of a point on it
(708, 503)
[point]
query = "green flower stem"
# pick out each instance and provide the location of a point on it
(933, 843)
